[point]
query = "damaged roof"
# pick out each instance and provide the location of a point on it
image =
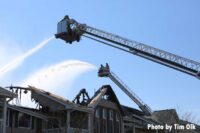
(108, 91)
(53, 102)
(6, 93)
(28, 111)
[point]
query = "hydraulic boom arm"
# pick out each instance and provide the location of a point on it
(105, 72)
(70, 31)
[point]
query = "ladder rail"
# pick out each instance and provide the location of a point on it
(130, 93)
(160, 56)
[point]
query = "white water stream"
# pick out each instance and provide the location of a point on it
(18, 60)
(57, 78)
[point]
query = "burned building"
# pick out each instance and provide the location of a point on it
(17, 119)
(102, 113)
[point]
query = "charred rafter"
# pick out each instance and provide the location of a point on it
(82, 97)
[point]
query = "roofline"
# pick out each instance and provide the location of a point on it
(7, 93)
(105, 89)
(18, 108)
(96, 99)
(165, 110)
(69, 105)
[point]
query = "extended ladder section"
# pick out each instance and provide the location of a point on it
(105, 72)
(70, 31)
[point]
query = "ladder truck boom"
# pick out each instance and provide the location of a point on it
(105, 72)
(70, 30)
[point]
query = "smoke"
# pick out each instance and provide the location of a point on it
(57, 78)
(17, 61)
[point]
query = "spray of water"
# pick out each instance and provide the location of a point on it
(57, 78)
(17, 61)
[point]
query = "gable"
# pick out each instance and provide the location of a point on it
(105, 95)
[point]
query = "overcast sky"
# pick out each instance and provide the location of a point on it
(168, 25)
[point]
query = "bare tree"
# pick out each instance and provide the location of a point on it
(187, 116)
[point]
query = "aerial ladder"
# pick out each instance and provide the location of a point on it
(70, 30)
(104, 71)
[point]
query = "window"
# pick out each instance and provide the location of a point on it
(1, 112)
(97, 113)
(104, 121)
(117, 124)
(97, 128)
(52, 123)
(111, 114)
(104, 114)
(111, 127)
(117, 117)
(24, 120)
(7, 117)
(79, 119)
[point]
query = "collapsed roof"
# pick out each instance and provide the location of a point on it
(6, 94)
(54, 102)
